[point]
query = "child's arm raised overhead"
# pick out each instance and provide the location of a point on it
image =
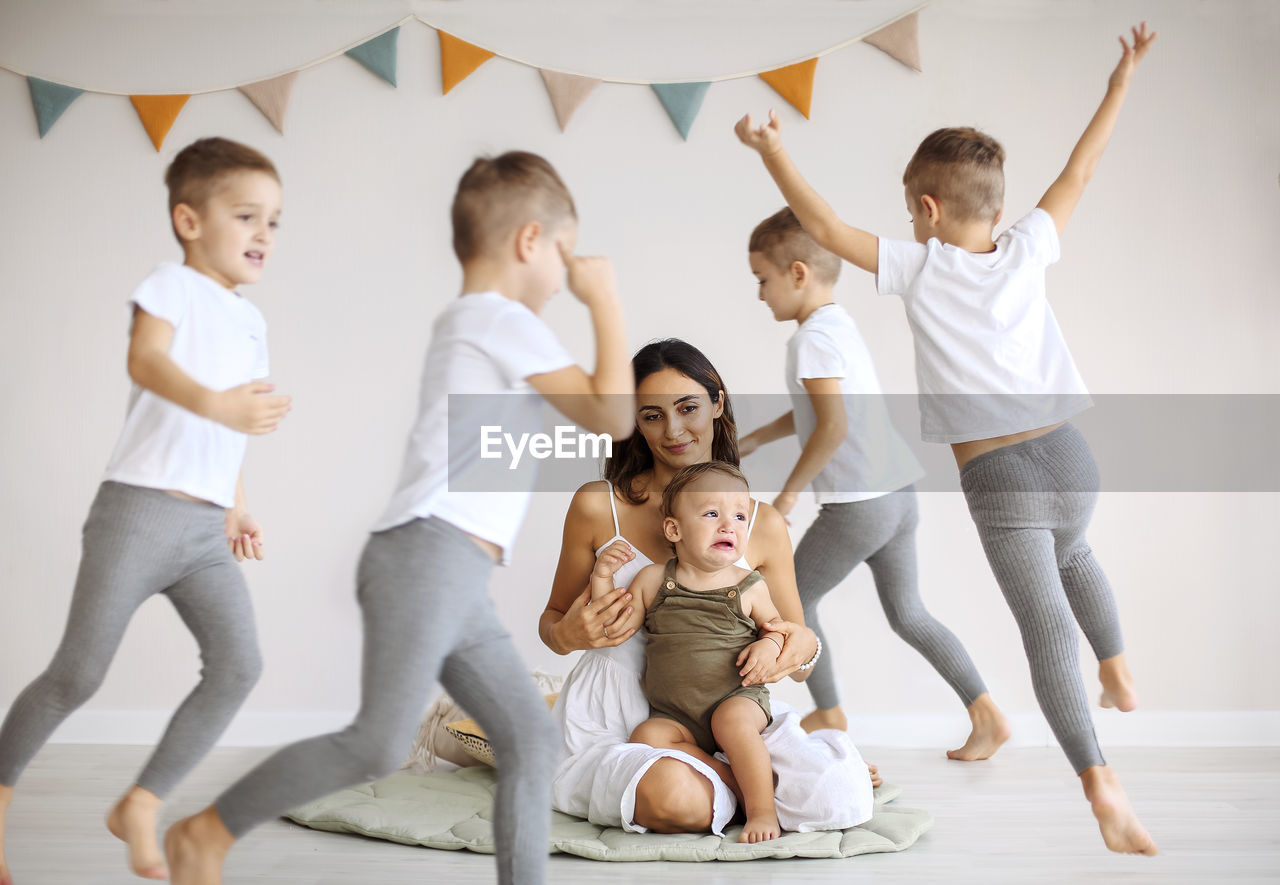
(816, 215)
(603, 402)
(247, 408)
(1062, 196)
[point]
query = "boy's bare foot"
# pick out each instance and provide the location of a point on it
(760, 828)
(990, 730)
(196, 847)
(1117, 684)
(874, 771)
(831, 718)
(1121, 829)
(133, 822)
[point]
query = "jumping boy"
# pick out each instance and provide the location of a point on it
(170, 515)
(861, 472)
(422, 577)
(701, 610)
(998, 383)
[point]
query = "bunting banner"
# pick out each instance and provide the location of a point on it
(567, 91)
(459, 59)
(682, 101)
(50, 100)
(379, 54)
(901, 40)
(157, 113)
(272, 97)
(794, 83)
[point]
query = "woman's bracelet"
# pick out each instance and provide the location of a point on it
(813, 660)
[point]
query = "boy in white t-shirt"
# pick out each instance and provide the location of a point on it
(423, 574)
(998, 383)
(170, 515)
(861, 471)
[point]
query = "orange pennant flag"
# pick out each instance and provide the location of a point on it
(157, 113)
(794, 83)
(458, 59)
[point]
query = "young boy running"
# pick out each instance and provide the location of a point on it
(998, 383)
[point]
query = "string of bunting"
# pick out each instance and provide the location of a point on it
(458, 60)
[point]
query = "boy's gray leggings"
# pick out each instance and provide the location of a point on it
(139, 542)
(1031, 503)
(427, 616)
(881, 532)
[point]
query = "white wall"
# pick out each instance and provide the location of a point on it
(1167, 286)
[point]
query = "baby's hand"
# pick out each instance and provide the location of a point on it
(612, 558)
(765, 139)
(1131, 56)
(758, 659)
(588, 278)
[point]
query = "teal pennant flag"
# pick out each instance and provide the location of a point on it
(50, 100)
(682, 101)
(379, 55)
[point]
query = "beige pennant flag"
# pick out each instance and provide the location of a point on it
(272, 97)
(900, 39)
(567, 91)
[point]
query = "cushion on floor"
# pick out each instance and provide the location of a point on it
(452, 810)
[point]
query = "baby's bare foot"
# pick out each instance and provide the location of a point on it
(1121, 829)
(874, 771)
(760, 828)
(196, 847)
(819, 719)
(990, 730)
(133, 822)
(1117, 684)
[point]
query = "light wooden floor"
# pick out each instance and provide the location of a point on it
(1018, 818)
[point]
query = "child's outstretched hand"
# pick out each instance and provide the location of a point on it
(612, 558)
(244, 535)
(1142, 40)
(765, 139)
(588, 277)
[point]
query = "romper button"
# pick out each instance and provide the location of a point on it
(671, 585)
(733, 593)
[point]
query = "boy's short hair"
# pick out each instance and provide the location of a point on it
(694, 472)
(499, 194)
(963, 168)
(194, 172)
(781, 239)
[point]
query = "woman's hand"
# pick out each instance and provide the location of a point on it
(799, 644)
(586, 623)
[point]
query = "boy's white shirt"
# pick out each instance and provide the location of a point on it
(482, 344)
(220, 340)
(873, 459)
(990, 357)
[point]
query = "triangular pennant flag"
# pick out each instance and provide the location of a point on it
(794, 83)
(379, 55)
(157, 113)
(272, 97)
(682, 101)
(458, 59)
(50, 100)
(900, 39)
(567, 91)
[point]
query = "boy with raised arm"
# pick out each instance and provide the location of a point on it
(170, 515)
(998, 383)
(423, 575)
(862, 475)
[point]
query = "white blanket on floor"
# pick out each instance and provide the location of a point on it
(822, 781)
